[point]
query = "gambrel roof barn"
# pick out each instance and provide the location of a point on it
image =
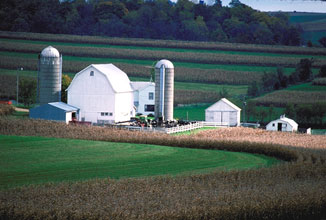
(103, 94)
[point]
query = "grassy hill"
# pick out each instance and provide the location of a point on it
(313, 25)
(32, 160)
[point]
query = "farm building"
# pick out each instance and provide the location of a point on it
(282, 124)
(103, 94)
(224, 113)
(144, 93)
(57, 111)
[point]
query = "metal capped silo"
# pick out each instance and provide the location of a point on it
(49, 76)
(164, 90)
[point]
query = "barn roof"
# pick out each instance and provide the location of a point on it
(225, 101)
(136, 86)
(287, 120)
(63, 106)
(116, 77)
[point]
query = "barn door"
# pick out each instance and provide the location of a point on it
(279, 126)
(217, 117)
(225, 118)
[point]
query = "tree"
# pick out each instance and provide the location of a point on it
(66, 80)
(27, 91)
(235, 3)
(290, 111)
(322, 41)
(304, 70)
(253, 89)
(322, 71)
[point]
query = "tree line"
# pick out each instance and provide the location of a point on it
(155, 19)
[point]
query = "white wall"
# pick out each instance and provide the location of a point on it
(144, 99)
(273, 126)
(92, 95)
(124, 106)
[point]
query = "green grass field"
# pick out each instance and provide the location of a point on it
(307, 87)
(35, 160)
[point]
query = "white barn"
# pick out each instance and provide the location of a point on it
(223, 113)
(103, 94)
(282, 124)
(144, 95)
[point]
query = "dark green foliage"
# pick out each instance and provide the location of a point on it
(322, 41)
(27, 91)
(254, 89)
(162, 19)
(304, 70)
(322, 71)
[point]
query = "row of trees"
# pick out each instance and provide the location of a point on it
(277, 80)
(157, 19)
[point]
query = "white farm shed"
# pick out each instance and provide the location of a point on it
(103, 94)
(282, 124)
(144, 94)
(223, 113)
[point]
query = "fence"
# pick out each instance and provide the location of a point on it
(179, 128)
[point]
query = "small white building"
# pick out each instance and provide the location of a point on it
(144, 94)
(103, 94)
(223, 113)
(282, 124)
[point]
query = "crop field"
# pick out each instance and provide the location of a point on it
(292, 189)
(284, 97)
(31, 160)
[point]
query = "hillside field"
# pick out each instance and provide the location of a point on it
(292, 189)
(35, 160)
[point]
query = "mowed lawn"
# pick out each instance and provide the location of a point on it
(35, 160)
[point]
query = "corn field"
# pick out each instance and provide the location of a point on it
(282, 98)
(163, 43)
(141, 54)
(294, 189)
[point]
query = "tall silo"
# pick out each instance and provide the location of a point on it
(49, 76)
(164, 90)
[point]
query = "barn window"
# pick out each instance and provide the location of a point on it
(149, 108)
(110, 113)
(150, 96)
(273, 125)
(102, 113)
(91, 73)
(106, 113)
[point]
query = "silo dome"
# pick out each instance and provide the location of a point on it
(50, 52)
(166, 63)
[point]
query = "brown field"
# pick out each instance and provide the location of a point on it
(208, 58)
(290, 190)
(162, 43)
(283, 97)
(263, 136)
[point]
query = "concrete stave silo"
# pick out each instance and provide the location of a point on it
(49, 76)
(164, 90)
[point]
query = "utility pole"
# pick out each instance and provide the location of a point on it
(21, 69)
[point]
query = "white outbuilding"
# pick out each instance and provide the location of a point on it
(144, 94)
(223, 113)
(282, 124)
(102, 93)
